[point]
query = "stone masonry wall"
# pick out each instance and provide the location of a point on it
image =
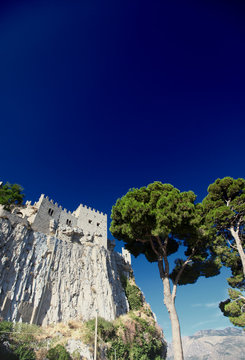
(93, 223)
(43, 216)
(46, 216)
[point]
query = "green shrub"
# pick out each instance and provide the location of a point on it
(76, 355)
(133, 294)
(121, 348)
(139, 349)
(106, 329)
(24, 352)
(6, 352)
(24, 333)
(6, 328)
(58, 353)
(134, 297)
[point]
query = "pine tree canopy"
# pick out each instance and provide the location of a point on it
(156, 220)
(225, 205)
(11, 194)
(224, 211)
(234, 308)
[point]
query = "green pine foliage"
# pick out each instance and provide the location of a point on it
(156, 221)
(11, 194)
(224, 211)
(234, 308)
(224, 215)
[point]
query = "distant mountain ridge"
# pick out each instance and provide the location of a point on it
(225, 344)
(230, 331)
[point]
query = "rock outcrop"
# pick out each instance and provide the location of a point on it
(45, 279)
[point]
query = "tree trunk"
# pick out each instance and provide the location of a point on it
(239, 247)
(170, 305)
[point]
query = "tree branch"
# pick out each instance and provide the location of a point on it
(166, 243)
(160, 267)
(234, 247)
(142, 241)
(153, 248)
(180, 273)
(238, 224)
(160, 243)
(165, 257)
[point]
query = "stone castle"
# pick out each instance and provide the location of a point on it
(58, 265)
(49, 218)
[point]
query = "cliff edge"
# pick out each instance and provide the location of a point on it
(46, 280)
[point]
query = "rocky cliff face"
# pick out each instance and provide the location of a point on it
(45, 280)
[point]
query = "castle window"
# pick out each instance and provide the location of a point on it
(68, 222)
(50, 211)
(90, 221)
(98, 224)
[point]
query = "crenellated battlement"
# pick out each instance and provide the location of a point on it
(92, 210)
(48, 217)
(51, 201)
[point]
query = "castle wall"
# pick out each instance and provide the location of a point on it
(46, 217)
(92, 222)
(47, 211)
(67, 219)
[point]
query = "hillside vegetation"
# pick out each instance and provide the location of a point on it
(134, 336)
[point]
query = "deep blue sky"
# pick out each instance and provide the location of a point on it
(97, 97)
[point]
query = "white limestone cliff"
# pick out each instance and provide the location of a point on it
(45, 279)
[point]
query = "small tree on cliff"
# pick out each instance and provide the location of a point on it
(11, 194)
(155, 221)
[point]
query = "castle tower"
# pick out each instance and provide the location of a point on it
(92, 223)
(126, 255)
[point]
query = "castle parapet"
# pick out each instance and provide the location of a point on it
(89, 220)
